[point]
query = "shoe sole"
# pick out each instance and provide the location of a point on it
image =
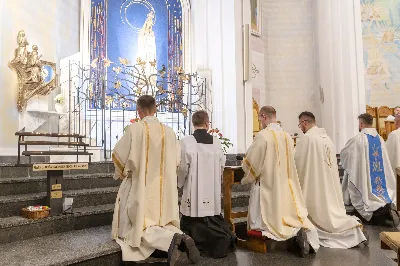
(173, 252)
(191, 250)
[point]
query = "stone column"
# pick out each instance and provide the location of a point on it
(217, 45)
(340, 68)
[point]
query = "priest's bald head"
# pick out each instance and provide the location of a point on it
(267, 115)
(365, 121)
(146, 106)
(306, 121)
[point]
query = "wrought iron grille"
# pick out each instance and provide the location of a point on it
(101, 105)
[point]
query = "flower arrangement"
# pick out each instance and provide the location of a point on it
(60, 99)
(226, 143)
(132, 122)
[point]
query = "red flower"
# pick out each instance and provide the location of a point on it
(220, 135)
(216, 130)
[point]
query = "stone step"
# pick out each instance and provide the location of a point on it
(11, 205)
(17, 228)
(37, 184)
(12, 171)
(92, 246)
(240, 199)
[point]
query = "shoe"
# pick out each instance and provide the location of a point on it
(173, 252)
(366, 242)
(302, 241)
(191, 250)
(394, 217)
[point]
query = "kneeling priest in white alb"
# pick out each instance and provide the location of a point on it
(277, 206)
(146, 214)
(369, 183)
(317, 168)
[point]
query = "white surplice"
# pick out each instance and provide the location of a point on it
(356, 184)
(276, 206)
(146, 214)
(319, 179)
(201, 196)
(393, 149)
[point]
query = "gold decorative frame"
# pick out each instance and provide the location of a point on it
(255, 9)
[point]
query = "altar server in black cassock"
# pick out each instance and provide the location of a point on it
(200, 174)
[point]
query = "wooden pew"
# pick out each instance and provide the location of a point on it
(255, 242)
(382, 113)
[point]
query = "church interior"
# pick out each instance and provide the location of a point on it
(71, 73)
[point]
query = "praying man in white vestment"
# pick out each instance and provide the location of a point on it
(369, 182)
(393, 145)
(396, 112)
(277, 207)
(200, 174)
(317, 168)
(146, 214)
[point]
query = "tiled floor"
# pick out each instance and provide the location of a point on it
(371, 255)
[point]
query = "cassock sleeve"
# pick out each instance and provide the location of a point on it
(254, 160)
(120, 155)
(184, 165)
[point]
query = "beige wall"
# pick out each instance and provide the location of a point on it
(288, 47)
(54, 27)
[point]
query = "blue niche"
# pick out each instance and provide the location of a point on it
(146, 29)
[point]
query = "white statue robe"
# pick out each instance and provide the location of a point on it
(146, 214)
(319, 179)
(276, 207)
(201, 196)
(357, 187)
(393, 149)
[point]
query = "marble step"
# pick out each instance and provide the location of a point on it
(92, 246)
(12, 171)
(11, 205)
(240, 199)
(17, 228)
(37, 184)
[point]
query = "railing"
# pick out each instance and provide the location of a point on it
(101, 105)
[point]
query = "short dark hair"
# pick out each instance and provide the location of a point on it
(310, 116)
(269, 111)
(366, 118)
(146, 102)
(395, 109)
(200, 118)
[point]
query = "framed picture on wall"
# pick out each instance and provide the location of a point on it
(255, 17)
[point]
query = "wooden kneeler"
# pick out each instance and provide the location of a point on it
(398, 188)
(255, 242)
(391, 241)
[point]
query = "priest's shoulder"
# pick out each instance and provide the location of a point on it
(168, 131)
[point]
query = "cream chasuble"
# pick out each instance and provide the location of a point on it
(393, 149)
(369, 182)
(319, 179)
(146, 213)
(277, 206)
(200, 174)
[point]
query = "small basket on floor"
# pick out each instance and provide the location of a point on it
(35, 214)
